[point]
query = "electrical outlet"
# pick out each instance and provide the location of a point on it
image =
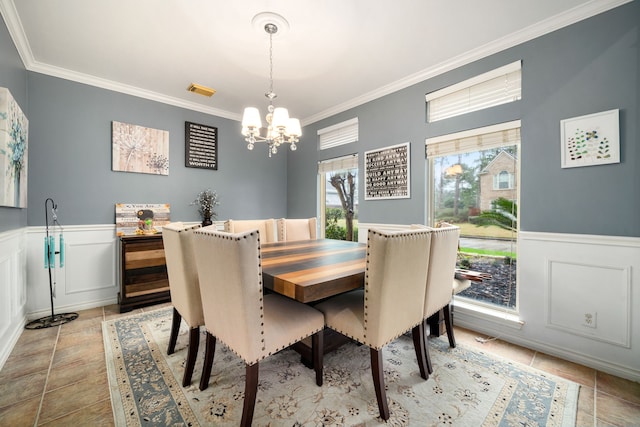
(590, 320)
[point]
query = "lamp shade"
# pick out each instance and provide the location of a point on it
(280, 118)
(293, 128)
(251, 118)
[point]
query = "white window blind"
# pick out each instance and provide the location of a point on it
(474, 140)
(339, 163)
(338, 134)
(496, 87)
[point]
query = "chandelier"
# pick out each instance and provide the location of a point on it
(280, 129)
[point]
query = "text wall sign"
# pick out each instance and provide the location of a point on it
(201, 146)
(387, 173)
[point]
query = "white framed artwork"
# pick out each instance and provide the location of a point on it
(590, 140)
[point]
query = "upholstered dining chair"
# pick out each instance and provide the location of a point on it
(184, 290)
(252, 325)
(442, 265)
(392, 301)
(297, 229)
(266, 227)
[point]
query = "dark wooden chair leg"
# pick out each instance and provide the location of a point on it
(192, 353)
(436, 325)
(418, 343)
(317, 349)
(250, 391)
(209, 351)
(448, 321)
(175, 327)
(426, 355)
(378, 383)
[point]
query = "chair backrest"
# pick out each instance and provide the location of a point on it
(231, 287)
(297, 229)
(266, 227)
(181, 269)
(442, 265)
(395, 277)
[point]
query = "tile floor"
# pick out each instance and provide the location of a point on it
(57, 376)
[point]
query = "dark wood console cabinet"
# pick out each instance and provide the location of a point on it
(143, 272)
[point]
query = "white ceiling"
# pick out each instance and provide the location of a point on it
(335, 55)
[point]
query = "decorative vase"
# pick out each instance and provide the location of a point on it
(206, 221)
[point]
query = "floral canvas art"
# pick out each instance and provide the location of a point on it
(13, 152)
(140, 149)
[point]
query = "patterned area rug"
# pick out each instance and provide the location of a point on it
(467, 388)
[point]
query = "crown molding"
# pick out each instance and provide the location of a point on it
(564, 19)
(129, 90)
(14, 25)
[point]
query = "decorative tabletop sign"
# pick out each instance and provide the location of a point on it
(141, 219)
(387, 173)
(590, 140)
(201, 146)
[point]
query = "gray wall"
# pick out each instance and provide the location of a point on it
(14, 77)
(589, 67)
(70, 159)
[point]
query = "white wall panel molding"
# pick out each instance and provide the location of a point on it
(562, 277)
(601, 300)
(88, 278)
(12, 290)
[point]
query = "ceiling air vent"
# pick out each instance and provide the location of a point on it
(201, 90)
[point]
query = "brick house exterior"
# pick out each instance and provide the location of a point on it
(498, 179)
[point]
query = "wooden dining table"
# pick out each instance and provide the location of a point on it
(311, 270)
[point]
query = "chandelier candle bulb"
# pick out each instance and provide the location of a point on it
(251, 118)
(280, 118)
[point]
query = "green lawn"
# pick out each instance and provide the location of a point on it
(472, 230)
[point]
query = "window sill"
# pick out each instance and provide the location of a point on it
(472, 311)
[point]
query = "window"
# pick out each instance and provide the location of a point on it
(338, 134)
(503, 181)
(338, 179)
(499, 86)
(473, 184)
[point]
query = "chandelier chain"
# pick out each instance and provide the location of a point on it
(270, 66)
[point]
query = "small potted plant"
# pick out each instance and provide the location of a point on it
(206, 202)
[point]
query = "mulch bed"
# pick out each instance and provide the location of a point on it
(501, 288)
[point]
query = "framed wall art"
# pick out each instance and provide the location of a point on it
(14, 128)
(201, 146)
(139, 149)
(387, 173)
(590, 140)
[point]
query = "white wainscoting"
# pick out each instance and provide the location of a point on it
(88, 278)
(13, 295)
(562, 279)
